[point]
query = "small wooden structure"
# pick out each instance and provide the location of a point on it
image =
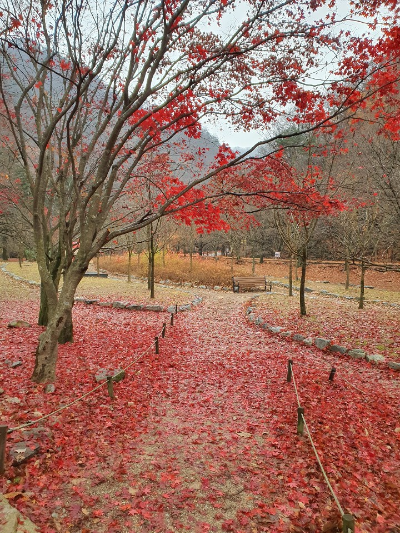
(250, 282)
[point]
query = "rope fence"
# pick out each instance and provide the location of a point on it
(332, 375)
(109, 381)
(348, 521)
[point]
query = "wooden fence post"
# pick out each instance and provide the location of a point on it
(349, 525)
(172, 319)
(332, 374)
(3, 440)
(164, 326)
(110, 387)
(176, 309)
(157, 345)
(289, 371)
(300, 420)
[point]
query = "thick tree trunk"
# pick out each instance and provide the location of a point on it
(46, 356)
(66, 334)
(43, 318)
(53, 261)
(291, 275)
(303, 310)
(362, 286)
(59, 319)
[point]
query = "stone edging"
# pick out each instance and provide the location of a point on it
(139, 307)
(117, 305)
(318, 342)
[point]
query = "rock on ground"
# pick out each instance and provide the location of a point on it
(18, 324)
(11, 520)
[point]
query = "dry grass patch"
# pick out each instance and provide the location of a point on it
(11, 289)
(203, 270)
(135, 292)
(109, 288)
(28, 271)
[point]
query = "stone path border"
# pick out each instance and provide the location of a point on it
(138, 307)
(318, 342)
(18, 278)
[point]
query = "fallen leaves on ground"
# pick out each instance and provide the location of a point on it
(202, 437)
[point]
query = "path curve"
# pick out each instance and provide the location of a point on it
(219, 450)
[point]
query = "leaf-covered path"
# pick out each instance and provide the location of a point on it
(220, 452)
(202, 437)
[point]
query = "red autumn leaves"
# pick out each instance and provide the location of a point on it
(202, 437)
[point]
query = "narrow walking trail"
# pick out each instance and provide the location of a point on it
(209, 446)
(201, 437)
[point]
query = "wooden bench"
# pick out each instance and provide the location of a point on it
(250, 282)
